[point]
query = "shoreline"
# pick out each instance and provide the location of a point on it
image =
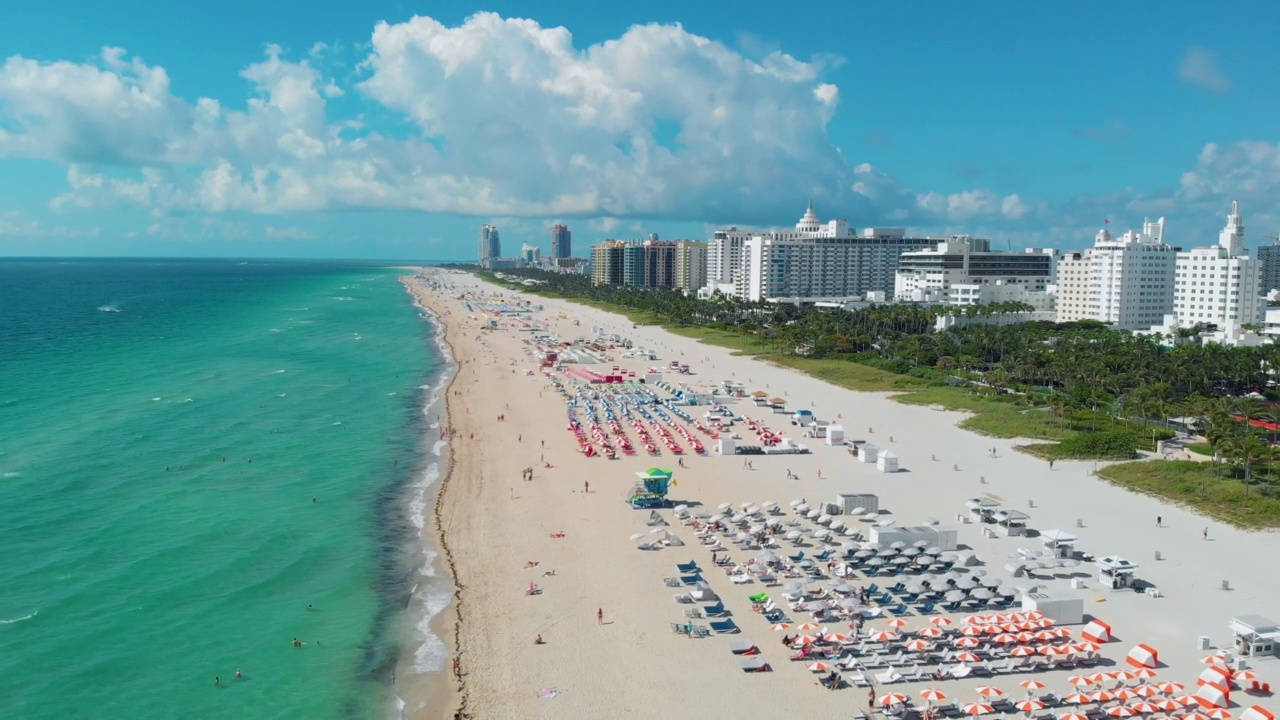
(431, 693)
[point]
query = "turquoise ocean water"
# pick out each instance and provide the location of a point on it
(164, 427)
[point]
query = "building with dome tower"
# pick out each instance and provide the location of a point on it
(815, 261)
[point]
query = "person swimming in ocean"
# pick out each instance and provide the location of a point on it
(297, 642)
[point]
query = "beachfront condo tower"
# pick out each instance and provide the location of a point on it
(490, 244)
(561, 242)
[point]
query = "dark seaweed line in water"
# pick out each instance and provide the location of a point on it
(463, 698)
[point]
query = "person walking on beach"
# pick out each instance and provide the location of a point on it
(871, 699)
(1205, 534)
(1159, 521)
(600, 616)
(1050, 464)
(586, 487)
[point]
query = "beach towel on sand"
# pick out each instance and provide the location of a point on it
(548, 692)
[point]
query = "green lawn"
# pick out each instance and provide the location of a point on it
(1201, 449)
(1194, 485)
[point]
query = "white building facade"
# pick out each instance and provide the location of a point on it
(964, 271)
(691, 265)
(1126, 282)
(816, 260)
(1219, 285)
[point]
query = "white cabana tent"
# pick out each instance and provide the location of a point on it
(1115, 572)
(1060, 542)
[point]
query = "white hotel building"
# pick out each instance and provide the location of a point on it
(1218, 285)
(964, 271)
(1126, 282)
(816, 261)
(1140, 283)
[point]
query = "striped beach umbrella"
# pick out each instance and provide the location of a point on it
(1121, 711)
(1032, 685)
(1144, 708)
(977, 708)
(1079, 681)
(989, 692)
(1077, 699)
(893, 698)
(966, 642)
(1029, 705)
(941, 621)
(932, 694)
(1073, 716)
(966, 656)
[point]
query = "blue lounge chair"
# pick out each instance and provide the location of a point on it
(724, 626)
(951, 606)
(900, 610)
(885, 599)
(1002, 603)
(797, 557)
(927, 608)
(693, 579)
(910, 598)
(689, 567)
(896, 587)
(775, 616)
(822, 555)
(872, 589)
(716, 610)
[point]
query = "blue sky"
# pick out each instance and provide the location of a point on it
(394, 129)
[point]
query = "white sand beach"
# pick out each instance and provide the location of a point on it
(496, 523)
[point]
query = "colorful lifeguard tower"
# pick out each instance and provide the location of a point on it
(650, 490)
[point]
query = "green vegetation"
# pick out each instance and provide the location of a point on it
(1094, 392)
(1201, 449)
(1196, 485)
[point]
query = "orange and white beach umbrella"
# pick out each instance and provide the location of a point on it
(929, 632)
(971, 630)
(1080, 681)
(1193, 716)
(977, 708)
(819, 667)
(1217, 714)
(1087, 646)
(989, 692)
(941, 621)
(966, 642)
(804, 640)
(780, 627)
(1032, 685)
(1146, 691)
(917, 645)
(1029, 705)
(1169, 687)
(1214, 659)
(1143, 673)
(966, 656)
(1077, 699)
(1123, 694)
(1073, 716)
(1101, 696)
(1062, 633)
(893, 698)
(838, 638)
(932, 694)
(1121, 675)
(1167, 705)
(808, 627)
(896, 623)
(1005, 639)
(1144, 708)
(1022, 651)
(882, 635)
(977, 619)
(1244, 676)
(1033, 614)
(1121, 711)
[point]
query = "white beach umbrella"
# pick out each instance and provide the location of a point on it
(837, 525)
(871, 516)
(824, 519)
(796, 503)
(802, 508)
(820, 534)
(898, 545)
(681, 508)
(858, 511)
(724, 507)
(715, 518)
(792, 535)
(637, 536)
(885, 523)
(812, 514)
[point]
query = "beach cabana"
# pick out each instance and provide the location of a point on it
(1254, 635)
(1012, 523)
(1059, 542)
(983, 509)
(1115, 572)
(1257, 712)
(1143, 656)
(1212, 695)
(1096, 631)
(887, 461)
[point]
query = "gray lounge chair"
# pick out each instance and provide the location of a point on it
(753, 665)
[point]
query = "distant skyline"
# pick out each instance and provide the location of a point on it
(394, 130)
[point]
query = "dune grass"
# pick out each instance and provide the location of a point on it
(1194, 485)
